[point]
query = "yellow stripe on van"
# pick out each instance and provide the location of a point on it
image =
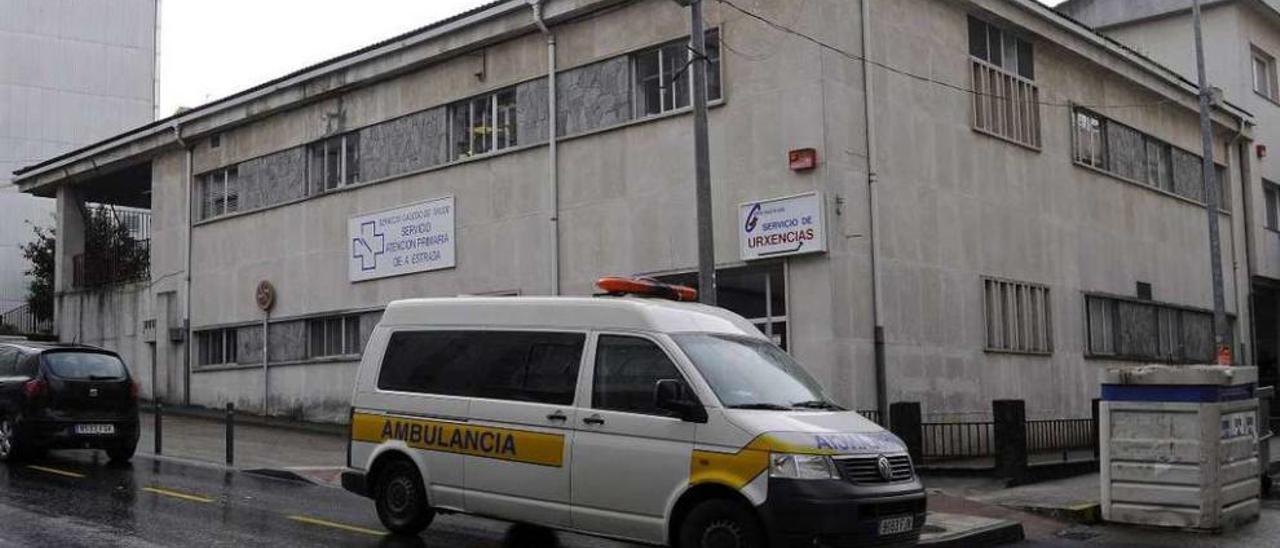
(466, 439)
(738, 469)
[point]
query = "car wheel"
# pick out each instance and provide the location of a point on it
(401, 498)
(721, 523)
(121, 455)
(9, 449)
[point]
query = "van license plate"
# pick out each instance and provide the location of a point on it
(893, 526)
(99, 429)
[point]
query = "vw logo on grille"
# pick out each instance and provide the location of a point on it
(93, 392)
(882, 465)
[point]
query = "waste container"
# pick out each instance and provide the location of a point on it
(1179, 446)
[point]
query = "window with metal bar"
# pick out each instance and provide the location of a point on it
(219, 192)
(1006, 99)
(333, 336)
(662, 80)
(216, 346)
(1137, 330)
(333, 163)
(1019, 317)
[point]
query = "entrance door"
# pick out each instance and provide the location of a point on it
(629, 458)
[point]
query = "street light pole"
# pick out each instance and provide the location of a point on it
(702, 163)
(1220, 327)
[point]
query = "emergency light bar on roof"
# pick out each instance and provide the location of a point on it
(646, 287)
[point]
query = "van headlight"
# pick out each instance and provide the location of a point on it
(805, 467)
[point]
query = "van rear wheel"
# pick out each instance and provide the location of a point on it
(721, 523)
(401, 498)
(9, 449)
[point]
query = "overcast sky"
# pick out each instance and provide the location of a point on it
(210, 50)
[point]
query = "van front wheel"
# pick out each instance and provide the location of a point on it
(721, 523)
(401, 499)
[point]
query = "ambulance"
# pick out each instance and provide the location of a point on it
(636, 416)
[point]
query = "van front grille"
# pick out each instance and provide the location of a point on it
(867, 469)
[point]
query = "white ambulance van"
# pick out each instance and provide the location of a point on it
(643, 419)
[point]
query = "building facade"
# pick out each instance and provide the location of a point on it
(70, 74)
(981, 216)
(1241, 42)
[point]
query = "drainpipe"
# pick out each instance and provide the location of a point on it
(188, 341)
(553, 164)
(1246, 213)
(882, 389)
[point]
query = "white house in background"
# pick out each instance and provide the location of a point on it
(1242, 43)
(71, 73)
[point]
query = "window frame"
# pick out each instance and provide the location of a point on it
(1025, 325)
(1271, 205)
(348, 160)
(587, 375)
(1009, 38)
(1222, 171)
(1178, 348)
(714, 59)
(227, 202)
(343, 332)
(496, 113)
(1261, 59)
(227, 339)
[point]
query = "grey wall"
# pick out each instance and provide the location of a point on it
(594, 96)
(409, 143)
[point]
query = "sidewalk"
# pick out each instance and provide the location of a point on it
(303, 450)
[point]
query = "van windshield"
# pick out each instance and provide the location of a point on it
(84, 365)
(748, 373)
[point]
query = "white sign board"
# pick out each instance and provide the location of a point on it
(782, 226)
(413, 238)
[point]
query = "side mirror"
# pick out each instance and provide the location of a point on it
(672, 395)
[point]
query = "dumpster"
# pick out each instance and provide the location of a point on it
(1179, 446)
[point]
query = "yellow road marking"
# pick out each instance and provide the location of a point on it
(344, 527)
(177, 495)
(55, 471)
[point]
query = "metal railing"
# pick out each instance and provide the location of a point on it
(22, 321)
(98, 271)
(1060, 434)
(957, 440)
(871, 415)
(1005, 105)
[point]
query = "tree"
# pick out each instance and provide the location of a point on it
(39, 255)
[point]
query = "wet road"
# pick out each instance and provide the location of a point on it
(76, 499)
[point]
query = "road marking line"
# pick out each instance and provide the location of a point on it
(55, 471)
(177, 495)
(344, 527)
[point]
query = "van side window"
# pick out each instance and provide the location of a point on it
(627, 371)
(509, 365)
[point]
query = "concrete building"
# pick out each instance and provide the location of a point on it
(978, 192)
(71, 73)
(1241, 40)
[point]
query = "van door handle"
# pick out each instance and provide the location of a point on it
(557, 416)
(594, 419)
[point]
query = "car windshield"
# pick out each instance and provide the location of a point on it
(750, 373)
(84, 365)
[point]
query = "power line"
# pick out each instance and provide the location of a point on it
(902, 72)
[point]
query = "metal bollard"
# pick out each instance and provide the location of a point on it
(231, 429)
(159, 412)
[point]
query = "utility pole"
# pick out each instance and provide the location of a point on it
(702, 162)
(1220, 329)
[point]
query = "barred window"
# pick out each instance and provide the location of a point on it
(483, 124)
(219, 192)
(333, 336)
(1271, 204)
(1006, 100)
(1125, 152)
(1137, 330)
(216, 346)
(333, 163)
(1019, 317)
(662, 79)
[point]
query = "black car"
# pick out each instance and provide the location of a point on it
(56, 396)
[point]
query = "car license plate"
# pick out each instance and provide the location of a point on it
(893, 526)
(95, 429)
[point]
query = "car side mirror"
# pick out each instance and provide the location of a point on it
(672, 395)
